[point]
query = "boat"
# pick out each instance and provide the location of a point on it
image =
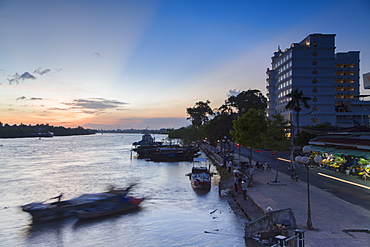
(122, 204)
(173, 155)
(200, 178)
(43, 134)
(52, 210)
(146, 146)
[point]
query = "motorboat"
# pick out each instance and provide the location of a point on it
(120, 205)
(55, 208)
(200, 178)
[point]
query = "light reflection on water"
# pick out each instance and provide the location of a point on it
(173, 214)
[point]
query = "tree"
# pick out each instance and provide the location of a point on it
(248, 131)
(188, 135)
(294, 104)
(218, 127)
(310, 132)
(246, 100)
(199, 113)
(275, 137)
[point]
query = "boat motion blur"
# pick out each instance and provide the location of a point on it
(47, 211)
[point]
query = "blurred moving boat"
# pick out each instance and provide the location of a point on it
(44, 211)
(107, 208)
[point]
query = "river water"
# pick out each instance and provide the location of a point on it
(173, 214)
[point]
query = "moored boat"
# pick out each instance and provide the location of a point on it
(200, 178)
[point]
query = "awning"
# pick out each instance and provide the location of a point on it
(322, 149)
(341, 151)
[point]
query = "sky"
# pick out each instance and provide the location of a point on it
(122, 64)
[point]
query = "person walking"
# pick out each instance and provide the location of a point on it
(244, 189)
(230, 166)
(240, 185)
(236, 178)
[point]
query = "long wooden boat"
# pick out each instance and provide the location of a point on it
(108, 208)
(47, 211)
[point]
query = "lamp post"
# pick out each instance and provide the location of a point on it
(305, 160)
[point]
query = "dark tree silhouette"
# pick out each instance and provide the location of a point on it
(294, 104)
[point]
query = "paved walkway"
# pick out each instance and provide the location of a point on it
(330, 215)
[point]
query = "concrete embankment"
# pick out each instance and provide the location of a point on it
(336, 222)
(245, 210)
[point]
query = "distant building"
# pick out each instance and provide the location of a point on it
(330, 79)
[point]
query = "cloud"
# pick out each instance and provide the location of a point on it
(97, 54)
(21, 98)
(94, 105)
(33, 98)
(233, 92)
(16, 78)
(41, 72)
(58, 109)
(27, 75)
(97, 103)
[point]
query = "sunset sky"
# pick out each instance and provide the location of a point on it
(141, 63)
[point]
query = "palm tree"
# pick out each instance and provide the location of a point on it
(297, 99)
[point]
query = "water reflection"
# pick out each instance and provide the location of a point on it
(109, 218)
(52, 232)
(203, 192)
(173, 213)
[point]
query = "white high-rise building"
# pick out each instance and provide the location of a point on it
(330, 79)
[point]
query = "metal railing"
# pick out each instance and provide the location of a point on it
(295, 241)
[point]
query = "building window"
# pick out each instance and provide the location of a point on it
(314, 99)
(314, 81)
(314, 108)
(314, 44)
(314, 72)
(314, 120)
(314, 62)
(314, 54)
(314, 90)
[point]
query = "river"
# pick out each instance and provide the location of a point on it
(173, 214)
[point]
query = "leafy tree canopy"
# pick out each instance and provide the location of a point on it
(249, 127)
(253, 98)
(275, 136)
(199, 113)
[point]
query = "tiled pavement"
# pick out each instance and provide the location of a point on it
(330, 214)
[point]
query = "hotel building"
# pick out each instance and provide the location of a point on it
(330, 79)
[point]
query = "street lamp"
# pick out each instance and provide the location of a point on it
(305, 160)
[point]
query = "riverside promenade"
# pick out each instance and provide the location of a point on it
(330, 214)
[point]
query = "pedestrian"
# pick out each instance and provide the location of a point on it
(230, 166)
(239, 185)
(236, 178)
(244, 189)
(296, 177)
(268, 166)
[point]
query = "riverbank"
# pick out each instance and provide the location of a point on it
(336, 222)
